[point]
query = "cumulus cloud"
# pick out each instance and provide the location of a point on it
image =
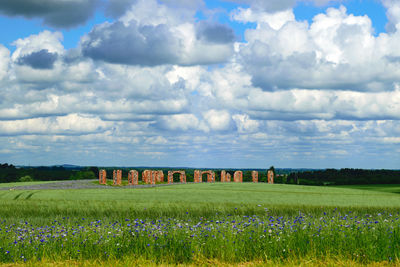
(178, 122)
(393, 15)
(142, 37)
(132, 44)
(68, 125)
(328, 105)
(337, 51)
(51, 42)
(218, 120)
(60, 14)
(4, 61)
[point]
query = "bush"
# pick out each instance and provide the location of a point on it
(26, 178)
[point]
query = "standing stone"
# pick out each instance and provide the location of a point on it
(117, 177)
(238, 177)
(153, 177)
(160, 177)
(170, 177)
(133, 177)
(197, 176)
(146, 176)
(102, 177)
(223, 176)
(254, 175)
(270, 175)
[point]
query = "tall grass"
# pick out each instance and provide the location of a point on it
(225, 224)
(227, 239)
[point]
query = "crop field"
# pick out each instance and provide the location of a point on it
(202, 224)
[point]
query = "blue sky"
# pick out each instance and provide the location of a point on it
(229, 84)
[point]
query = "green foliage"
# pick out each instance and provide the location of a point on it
(26, 178)
(81, 175)
(247, 176)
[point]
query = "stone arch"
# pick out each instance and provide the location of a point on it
(254, 176)
(182, 176)
(117, 177)
(133, 177)
(198, 176)
(238, 177)
(102, 177)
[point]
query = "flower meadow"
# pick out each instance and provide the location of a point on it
(229, 238)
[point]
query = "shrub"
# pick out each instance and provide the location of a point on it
(26, 178)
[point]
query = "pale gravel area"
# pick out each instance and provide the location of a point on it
(76, 184)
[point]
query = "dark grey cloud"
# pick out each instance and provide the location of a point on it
(132, 44)
(60, 14)
(116, 8)
(42, 59)
(214, 33)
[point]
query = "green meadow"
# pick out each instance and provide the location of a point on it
(210, 224)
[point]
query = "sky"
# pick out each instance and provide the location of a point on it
(200, 83)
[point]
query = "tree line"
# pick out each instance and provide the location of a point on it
(345, 176)
(9, 173)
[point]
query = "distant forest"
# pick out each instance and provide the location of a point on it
(344, 177)
(10, 173)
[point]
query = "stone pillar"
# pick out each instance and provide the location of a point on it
(254, 175)
(228, 177)
(223, 176)
(238, 177)
(170, 177)
(183, 177)
(153, 177)
(146, 176)
(102, 177)
(133, 177)
(197, 176)
(117, 177)
(160, 177)
(270, 175)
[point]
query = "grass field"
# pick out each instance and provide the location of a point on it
(202, 223)
(24, 183)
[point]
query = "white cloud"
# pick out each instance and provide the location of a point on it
(393, 15)
(244, 124)
(152, 33)
(297, 104)
(68, 125)
(50, 41)
(4, 61)
(337, 51)
(218, 120)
